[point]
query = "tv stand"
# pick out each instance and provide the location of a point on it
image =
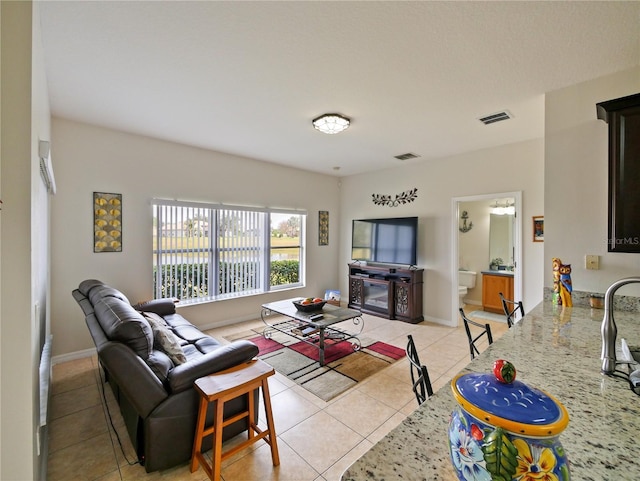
(391, 292)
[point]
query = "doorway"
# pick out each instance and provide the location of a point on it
(511, 256)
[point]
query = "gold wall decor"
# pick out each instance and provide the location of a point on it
(107, 222)
(323, 228)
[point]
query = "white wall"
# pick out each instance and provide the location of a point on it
(509, 168)
(576, 189)
(24, 239)
(90, 158)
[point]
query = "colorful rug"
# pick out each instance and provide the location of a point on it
(343, 368)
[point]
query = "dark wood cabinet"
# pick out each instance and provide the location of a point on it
(392, 293)
(623, 117)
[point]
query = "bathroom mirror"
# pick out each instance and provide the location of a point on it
(501, 238)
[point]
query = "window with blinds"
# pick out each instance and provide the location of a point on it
(207, 252)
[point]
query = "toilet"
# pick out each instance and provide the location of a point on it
(466, 281)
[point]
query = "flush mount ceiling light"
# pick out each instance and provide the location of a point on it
(331, 123)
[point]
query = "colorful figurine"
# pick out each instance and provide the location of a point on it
(565, 285)
(562, 286)
(556, 263)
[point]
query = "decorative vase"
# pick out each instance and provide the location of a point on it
(506, 430)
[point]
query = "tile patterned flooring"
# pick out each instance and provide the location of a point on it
(317, 440)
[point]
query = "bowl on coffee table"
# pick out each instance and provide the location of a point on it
(309, 306)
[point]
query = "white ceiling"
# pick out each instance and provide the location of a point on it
(246, 78)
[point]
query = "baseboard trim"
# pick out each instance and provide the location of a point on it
(472, 302)
(73, 356)
(442, 322)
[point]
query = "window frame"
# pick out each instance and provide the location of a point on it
(214, 249)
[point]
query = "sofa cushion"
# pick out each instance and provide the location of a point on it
(160, 364)
(175, 320)
(100, 292)
(189, 333)
(121, 322)
(86, 286)
(164, 339)
(207, 344)
(191, 352)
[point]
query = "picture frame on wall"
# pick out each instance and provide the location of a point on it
(323, 228)
(107, 222)
(538, 228)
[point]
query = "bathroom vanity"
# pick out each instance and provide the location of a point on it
(556, 350)
(493, 283)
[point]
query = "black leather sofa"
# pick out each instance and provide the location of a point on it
(155, 393)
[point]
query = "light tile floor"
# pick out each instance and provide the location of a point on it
(317, 440)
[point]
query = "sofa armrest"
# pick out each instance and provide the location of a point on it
(162, 307)
(139, 384)
(183, 376)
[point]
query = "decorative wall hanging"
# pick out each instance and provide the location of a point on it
(107, 222)
(538, 229)
(464, 227)
(323, 228)
(404, 198)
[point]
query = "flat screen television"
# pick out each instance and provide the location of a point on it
(386, 241)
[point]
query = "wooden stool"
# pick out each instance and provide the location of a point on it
(220, 388)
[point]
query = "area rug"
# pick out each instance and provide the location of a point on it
(343, 368)
(490, 316)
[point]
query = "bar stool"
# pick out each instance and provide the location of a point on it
(486, 331)
(511, 309)
(419, 374)
(220, 388)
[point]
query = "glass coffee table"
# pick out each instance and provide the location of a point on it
(314, 327)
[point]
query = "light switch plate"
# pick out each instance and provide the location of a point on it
(592, 262)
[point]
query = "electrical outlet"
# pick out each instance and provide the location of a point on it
(592, 262)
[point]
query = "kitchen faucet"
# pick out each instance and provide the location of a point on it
(608, 329)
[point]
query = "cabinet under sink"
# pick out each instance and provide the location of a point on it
(493, 283)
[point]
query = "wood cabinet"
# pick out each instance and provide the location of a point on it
(623, 117)
(390, 292)
(492, 285)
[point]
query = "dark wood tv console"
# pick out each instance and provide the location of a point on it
(387, 291)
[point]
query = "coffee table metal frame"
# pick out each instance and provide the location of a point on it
(327, 326)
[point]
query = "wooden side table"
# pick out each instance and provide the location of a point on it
(220, 388)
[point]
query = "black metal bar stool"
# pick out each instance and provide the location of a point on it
(511, 309)
(486, 331)
(419, 374)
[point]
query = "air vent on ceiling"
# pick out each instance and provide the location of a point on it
(406, 156)
(497, 117)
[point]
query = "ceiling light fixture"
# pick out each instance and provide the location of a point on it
(331, 123)
(499, 209)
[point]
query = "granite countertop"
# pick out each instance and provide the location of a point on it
(498, 273)
(552, 349)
